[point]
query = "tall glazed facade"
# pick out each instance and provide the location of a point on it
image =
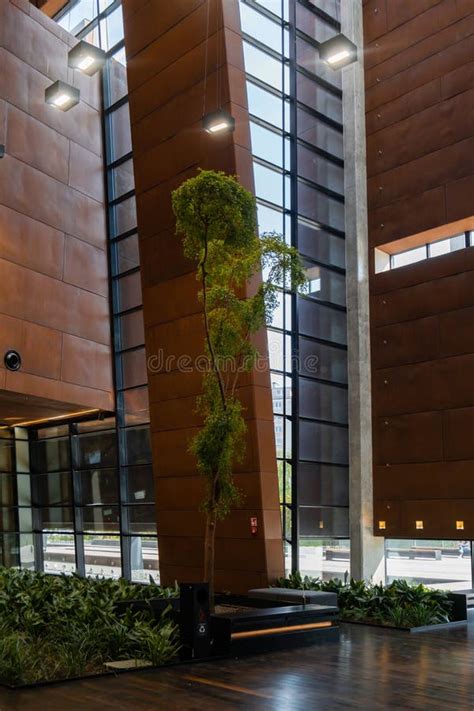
(295, 107)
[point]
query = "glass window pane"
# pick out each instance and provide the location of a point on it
(137, 445)
(315, 521)
(268, 106)
(59, 553)
(144, 559)
(318, 360)
(136, 406)
(314, 167)
(266, 68)
(8, 520)
(261, 28)
(101, 518)
(445, 246)
(322, 485)
(325, 558)
(102, 556)
(320, 208)
(323, 443)
(131, 330)
(268, 184)
(54, 489)
(409, 257)
(318, 98)
(129, 292)
(120, 138)
(325, 285)
(117, 77)
(323, 402)
(6, 454)
(127, 254)
(98, 486)
(139, 484)
(50, 455)
(125, 216)
(312, 25)
(141, 519)
(279, 350)
(268, 145)
(79, 16)
(97, 449)
(122, 179)
(321, 245)
(134, 370)
(319, 134)
(321, 321)
(111, 29)
(278, 7)
(56, 518)
(451, 570)
(307, 57)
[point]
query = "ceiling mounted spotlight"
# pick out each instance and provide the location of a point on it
(86, 58)
(62, 96)
(338, 52)
(219, 121)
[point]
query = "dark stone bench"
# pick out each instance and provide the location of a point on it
(297, 597)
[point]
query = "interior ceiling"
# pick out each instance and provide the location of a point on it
(17, 408)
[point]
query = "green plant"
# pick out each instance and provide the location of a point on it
(398, 604)
(54, 627)
(217, 218)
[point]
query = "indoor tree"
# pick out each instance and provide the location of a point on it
(217, 218)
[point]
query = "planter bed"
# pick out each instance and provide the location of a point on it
(423, 628)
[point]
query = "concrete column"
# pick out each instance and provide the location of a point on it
(367, 551)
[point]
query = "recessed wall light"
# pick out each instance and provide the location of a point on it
(382, 525)
(338, 52)
(460, 525)
(419, 524)
(86, 58)
(62, 96)
(218, 122)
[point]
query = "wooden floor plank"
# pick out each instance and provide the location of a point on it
(370, 669)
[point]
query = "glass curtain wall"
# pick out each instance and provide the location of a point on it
(295, 106)
(91, 483)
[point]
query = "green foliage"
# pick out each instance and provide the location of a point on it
(54, 627)
(217, 218)
(398, 604)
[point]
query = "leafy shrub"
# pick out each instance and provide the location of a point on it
(54, 627)
(398, 604)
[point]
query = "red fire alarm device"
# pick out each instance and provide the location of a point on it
(253, 525)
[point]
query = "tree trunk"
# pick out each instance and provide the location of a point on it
(209, 554)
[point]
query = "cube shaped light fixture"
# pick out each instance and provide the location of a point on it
(338, 52)
(218, 122)
(86, 58)
(62, 96)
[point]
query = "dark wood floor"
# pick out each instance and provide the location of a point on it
(369, 669)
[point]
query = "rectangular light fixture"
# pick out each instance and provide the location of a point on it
(62, 96)
(86, 58)
(382, 525)
(338, 52)
(218, 122)
(460, 525)
(419, 524)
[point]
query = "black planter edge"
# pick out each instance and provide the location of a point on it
(412, 630)
(115, 672)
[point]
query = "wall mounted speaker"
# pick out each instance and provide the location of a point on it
(12, 360)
